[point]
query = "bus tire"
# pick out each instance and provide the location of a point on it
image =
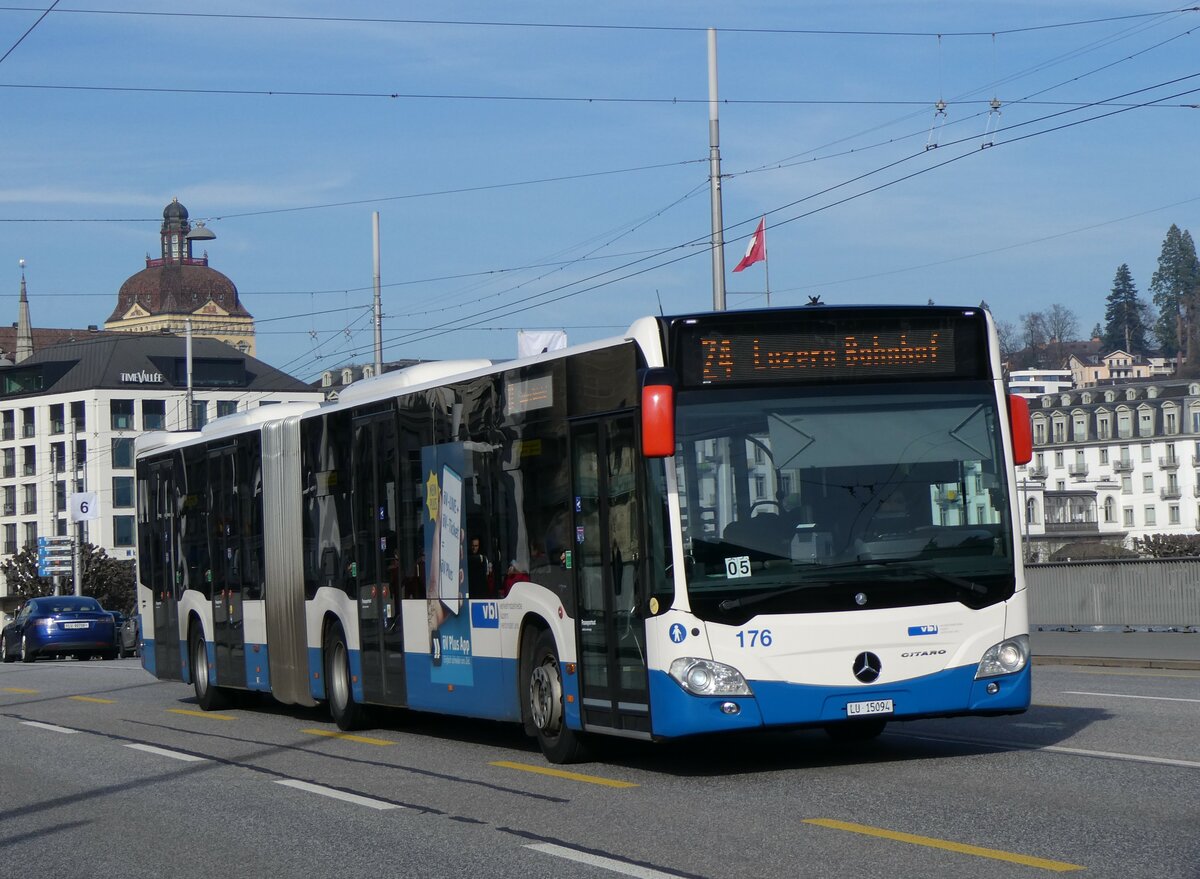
(208, 697)
(543, 696)
(346, 713)
(855, 730)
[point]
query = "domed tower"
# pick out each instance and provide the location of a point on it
(178, 285)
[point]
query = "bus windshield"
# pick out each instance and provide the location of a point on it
(842, 499)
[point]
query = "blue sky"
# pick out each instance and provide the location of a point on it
(108, 115)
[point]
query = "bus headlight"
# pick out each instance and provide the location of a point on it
(1010, 655)
(703, 677)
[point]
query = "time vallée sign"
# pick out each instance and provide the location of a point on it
(142, 377)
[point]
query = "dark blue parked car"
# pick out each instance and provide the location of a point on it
(66, 625)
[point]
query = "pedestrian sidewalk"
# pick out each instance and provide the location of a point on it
(1180, 650)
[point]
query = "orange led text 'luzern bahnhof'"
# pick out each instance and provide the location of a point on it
(888, 351)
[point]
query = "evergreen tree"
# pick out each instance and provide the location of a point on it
(1176, 286)
(1124, 325)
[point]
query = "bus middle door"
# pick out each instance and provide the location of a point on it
(229, 631)
(608, 549)
(381, 628)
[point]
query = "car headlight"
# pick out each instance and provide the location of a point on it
(703, 677)
(1010, 655)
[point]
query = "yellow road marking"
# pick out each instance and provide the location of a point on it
(20, 690)
(561, 773)
(206, 714)
(95, 699)
(349, 737)
(995, 854)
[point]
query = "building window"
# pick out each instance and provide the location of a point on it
(122, 452)
(80, 453)
(78, 416)
(1127, 514)
(60, 496)
(1169, 423)
(1145, 423)
(1031, 511)
(199, 414)
(1126, 485)
(1058, 459)
(27, 424)
(1173, 514)
(10, 463)
(226, 407)
(1149, 517)
(30, 505)
(1110, 509)
(10, 539)
(122, 530)
(1148, 483)
(29, 461)
(10, 502)
(154, 414)
(58, 457)
(122, 414)
(31, 534)
(58, 421)
(8, 428)
(1146, 453)
(1104, 456)
(122, 491)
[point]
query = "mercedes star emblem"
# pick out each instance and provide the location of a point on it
(867, 667)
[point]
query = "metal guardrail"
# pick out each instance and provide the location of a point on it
(1139, 592)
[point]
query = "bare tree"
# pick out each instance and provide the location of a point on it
(1034, 334)
(1062, 326)
(1010, 340)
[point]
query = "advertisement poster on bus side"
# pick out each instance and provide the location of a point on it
(446, 581)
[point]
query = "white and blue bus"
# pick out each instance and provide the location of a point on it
(715, 522)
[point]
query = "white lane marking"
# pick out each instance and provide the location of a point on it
(337, 794)
(49, 726)
(616, 866)
(1057, 749)
(1128, 696)
(163, 752)
(1129, 758)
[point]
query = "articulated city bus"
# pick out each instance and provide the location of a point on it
(716, 522)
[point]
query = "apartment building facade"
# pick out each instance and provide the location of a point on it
(1111, 464)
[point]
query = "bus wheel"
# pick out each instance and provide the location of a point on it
(346, 713)
(855, 730)
(544, 704)
(208, 697)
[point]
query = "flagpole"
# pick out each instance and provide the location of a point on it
(767, 269)
(714, 178)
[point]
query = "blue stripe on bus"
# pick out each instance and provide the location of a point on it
(953, 691)
(492, 695)
(147, 656)
(258, 668)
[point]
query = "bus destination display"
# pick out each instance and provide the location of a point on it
(736, 356)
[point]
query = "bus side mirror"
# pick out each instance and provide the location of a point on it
(1022, 433)
(658, 413)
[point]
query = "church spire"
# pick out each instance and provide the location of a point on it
(24, 327)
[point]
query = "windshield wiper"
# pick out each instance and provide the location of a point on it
(905, 565)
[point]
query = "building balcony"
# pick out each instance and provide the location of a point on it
(27, 431)
(1123, 466)
(1037, 472)
(1169, 463)
(8, 432)
(1078, 471)
(11, 509)
(1171, 494)
(1073, 527)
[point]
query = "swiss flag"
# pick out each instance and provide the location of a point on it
(756, 250)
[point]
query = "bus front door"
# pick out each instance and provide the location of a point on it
(607, 556)
(380, 626)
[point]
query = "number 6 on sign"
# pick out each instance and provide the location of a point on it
(737, 566)
(83, 506)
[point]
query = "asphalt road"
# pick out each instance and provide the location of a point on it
(105, 772)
